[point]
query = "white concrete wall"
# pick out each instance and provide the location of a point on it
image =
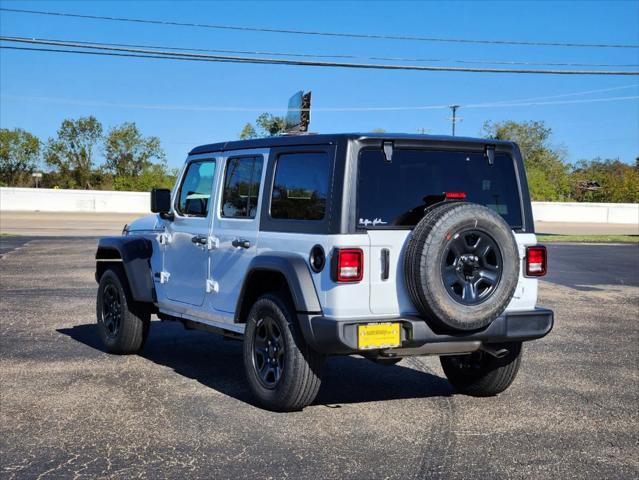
(574, 212)
(48, 200)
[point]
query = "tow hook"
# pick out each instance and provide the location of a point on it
(497, 353)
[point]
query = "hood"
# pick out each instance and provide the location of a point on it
(147, 223)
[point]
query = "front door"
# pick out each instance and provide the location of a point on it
(186, 257)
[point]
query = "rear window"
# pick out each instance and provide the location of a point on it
(395, 194)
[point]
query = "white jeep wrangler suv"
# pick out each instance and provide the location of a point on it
(312, 245)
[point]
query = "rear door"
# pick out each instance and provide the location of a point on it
(236, 225)
(392, 196)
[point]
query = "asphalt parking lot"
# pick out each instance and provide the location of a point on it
(182, 409)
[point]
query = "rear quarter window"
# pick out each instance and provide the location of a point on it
(395, 194)
(300, 187)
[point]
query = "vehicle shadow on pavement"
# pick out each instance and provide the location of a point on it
(217, 363)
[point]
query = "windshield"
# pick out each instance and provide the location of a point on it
(395, 194)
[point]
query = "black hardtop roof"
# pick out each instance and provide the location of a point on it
(324, 139)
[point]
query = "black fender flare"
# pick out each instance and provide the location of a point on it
(134, 253)
(297, 274)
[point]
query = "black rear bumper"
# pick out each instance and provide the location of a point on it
(331, 336)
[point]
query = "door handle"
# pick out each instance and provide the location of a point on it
(199, 239)
(241, 243)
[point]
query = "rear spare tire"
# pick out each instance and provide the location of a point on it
(461, 266)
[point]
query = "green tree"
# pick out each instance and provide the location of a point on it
(618, 181)
(268, 125)
(19, 156)
(128, 153)
(154, 176)
(248, 132)
(71, 153)
(129, 159)
(548, 174)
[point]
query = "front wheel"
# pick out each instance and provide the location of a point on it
(282, 370)
(481, 374)
(123, 324)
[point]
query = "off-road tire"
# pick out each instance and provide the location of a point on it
(301, 372)
(134, 318)
(426, 252)
(481, 374)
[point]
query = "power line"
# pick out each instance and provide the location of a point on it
(573, 94)
(114, 54)
(559, 102)
(503, 62)
(150, 53)
(354, 57)
(318, 33)
(246, 52)
(209, 108)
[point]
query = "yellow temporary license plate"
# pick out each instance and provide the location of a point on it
(378, 335)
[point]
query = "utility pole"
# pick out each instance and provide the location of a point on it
(454, 109)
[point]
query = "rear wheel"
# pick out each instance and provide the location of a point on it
(283, 372)
(123, 324)
(481, 374)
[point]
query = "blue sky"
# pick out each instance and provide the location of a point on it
(39, 90)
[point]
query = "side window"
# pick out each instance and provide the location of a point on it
(195, 192)
(300, 187)
(241, 187)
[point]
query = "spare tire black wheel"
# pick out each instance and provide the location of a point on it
(461, 266)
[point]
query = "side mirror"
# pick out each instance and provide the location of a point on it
(161, 201)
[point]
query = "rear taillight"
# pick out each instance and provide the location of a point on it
(536, 261)
(348, 265)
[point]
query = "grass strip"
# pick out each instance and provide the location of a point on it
(589, 238)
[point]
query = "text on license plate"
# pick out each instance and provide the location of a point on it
(378, 335)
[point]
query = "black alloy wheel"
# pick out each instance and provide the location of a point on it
(111, 310)
(268, 352)
(123, 324)
(471, 267)
(283, 372)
